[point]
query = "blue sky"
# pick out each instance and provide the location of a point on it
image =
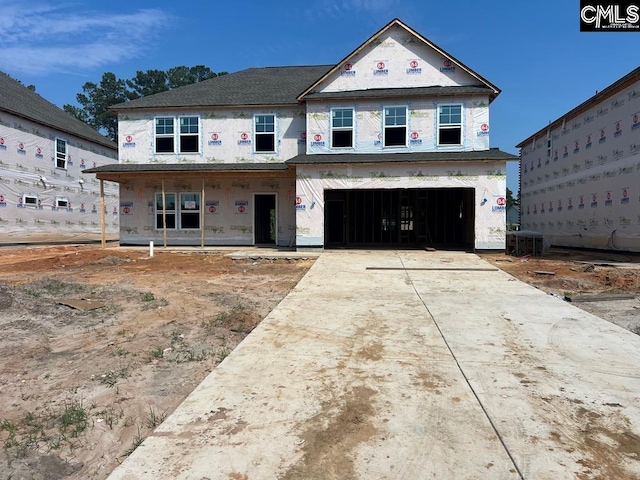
(533, 51)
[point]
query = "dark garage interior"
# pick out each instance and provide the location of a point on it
(434, 217)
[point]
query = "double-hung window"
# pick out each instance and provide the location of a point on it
(265, 133)
(164, 133)
(395, 126)
(450, 125)
(186, 135)
(342, 128)
(189, 134)
(189, 210)
(61, 153)
(169, 211)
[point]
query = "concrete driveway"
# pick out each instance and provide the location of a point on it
(410, 365)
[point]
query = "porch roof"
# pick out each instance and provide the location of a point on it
(491, 154)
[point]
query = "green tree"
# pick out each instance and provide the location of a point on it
(512, 202)
(96, 99)
(95, 103)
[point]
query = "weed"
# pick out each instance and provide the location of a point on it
(223, 352)
(118, 351)
(157, 352)
(137, 441)
(154, 419)
(74, 419)
(148, 297)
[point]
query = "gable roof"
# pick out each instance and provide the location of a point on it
(18, 100)
(626, 81)
(396, 22)
(250, 87)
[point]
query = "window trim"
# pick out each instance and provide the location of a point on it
(405, 126)
(59, 155)
(450, 126)
(62, 202)
(158, 211)
(256, 133)
(177, 135)
(188, 134)
(351, 129)
(189, 211)
(26, 196)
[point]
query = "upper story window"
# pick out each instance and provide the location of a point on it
(265, 133)
(450, 125)
(61, 153)
(189, 134)
(342, 128)
(395, 126)
(188, 130)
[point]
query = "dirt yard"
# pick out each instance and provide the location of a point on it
(81, 386)
(83, 382)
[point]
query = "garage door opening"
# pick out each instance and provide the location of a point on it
(438, 217)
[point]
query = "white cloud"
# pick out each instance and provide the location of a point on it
(43, 38)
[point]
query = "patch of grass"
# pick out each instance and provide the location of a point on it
(154, 419)
(157, 352)
(148, 297)
(74, 419)
(53, 287)
(137, 441)
(222, 353)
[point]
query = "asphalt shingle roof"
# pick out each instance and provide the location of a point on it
(401, 92)
(491, 154)
(253, 86)
(187, 167)
(18, 100)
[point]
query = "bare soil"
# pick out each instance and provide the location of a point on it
(80, 388)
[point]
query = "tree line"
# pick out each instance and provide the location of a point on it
(98, 97)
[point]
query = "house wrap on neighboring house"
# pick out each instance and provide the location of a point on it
(43, 151)
(580, 175)
(390, 146)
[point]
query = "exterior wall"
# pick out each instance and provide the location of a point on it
(27, 153)
(586, 192)
(228, 205)
(421, 126)
(399, 59)
(487, 178)
(226, 136)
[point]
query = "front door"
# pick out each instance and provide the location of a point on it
(265, 218)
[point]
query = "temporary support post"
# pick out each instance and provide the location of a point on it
(103, 221)
(164, 216)
(202, 204)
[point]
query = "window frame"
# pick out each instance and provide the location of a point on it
(26, 196)
(257, 133)
(342, 128)
(61, 157)
(61, 202)
(386, 135)
(450, 125)
(158, 223)
(184, 135)
(176, 135)
(196, 213)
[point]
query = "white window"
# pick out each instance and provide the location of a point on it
(30, 200)
(189, 135)
(170, 211)
(61, 153)
(549, 147)
(265, 133)
(342, 128)
(450, 125)
(395, 127)
(187, 132)
(189, 210)
(62, 202)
